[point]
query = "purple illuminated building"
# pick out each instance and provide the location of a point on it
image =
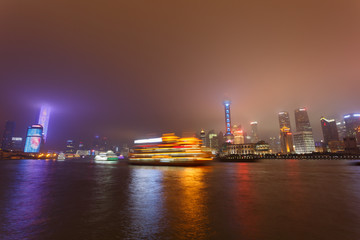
(33, 138)
(44, 119)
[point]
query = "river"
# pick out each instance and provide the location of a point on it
(270, 199)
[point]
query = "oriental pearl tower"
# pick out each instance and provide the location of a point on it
(228, 134)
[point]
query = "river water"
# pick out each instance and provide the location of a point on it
(271, 199)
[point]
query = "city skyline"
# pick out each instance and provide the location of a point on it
(117, 70)
(247, 130)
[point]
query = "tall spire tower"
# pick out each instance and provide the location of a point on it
(228, 133)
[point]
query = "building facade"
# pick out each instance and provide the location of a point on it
(254, 132)
(212, 140)
(341, 130)
(286, 137)
(284, 120)
(203, 137)
(17, 144)
(286, 140)
(303, 138)
(70, 147)
(274, 143)
(352, 125)
(239, 149)
(304, 142)
(238, 135)
(33, 139)
(302, 121)
(329, 130)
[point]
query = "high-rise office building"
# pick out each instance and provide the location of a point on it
(212, 140)
(341, 130)
(351, 145)
(228, 133)
(221, 139)
(8, 135)
(203, 137)
(304, 142)
(44, 119)
(302, 121)
(70, 146)
(284, 120)
(352, 124)
(17, 144)
(274, 144)
(303, 138)
(238, 135)
(33, 138)
(329, 129)
(254, 132)
(286, 140)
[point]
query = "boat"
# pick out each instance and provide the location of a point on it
(170, 150)
(61, 156)
(106, 156)
(111, 156)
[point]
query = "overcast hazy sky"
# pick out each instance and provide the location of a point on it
(128, 68)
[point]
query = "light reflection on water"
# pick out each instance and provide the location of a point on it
(186, 189)
(146, 203)
(272, 199)
(27, 192)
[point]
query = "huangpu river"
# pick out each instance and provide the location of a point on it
(270, 199)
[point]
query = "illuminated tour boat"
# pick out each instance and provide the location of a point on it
(61, 156)
(170, 150)
(106, 156)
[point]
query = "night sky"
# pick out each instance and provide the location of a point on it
(126, 69)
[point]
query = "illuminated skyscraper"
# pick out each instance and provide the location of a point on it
(304, 142)
(303, 138)
(284, 120)
(352, 124)
(228, 134)
(286, 140)
(203, 137)
(70, 146)
(254, 132)
(17, 144)
(341, 130)
(274, 144)
(238, 135)
(33, 139)
(44, 119)
(302, 120)
(286, 137)
(329, 129)
(212, 140)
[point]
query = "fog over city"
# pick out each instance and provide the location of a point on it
(133, 68)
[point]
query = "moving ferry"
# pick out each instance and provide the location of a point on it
(106, 156)
(170, 150)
